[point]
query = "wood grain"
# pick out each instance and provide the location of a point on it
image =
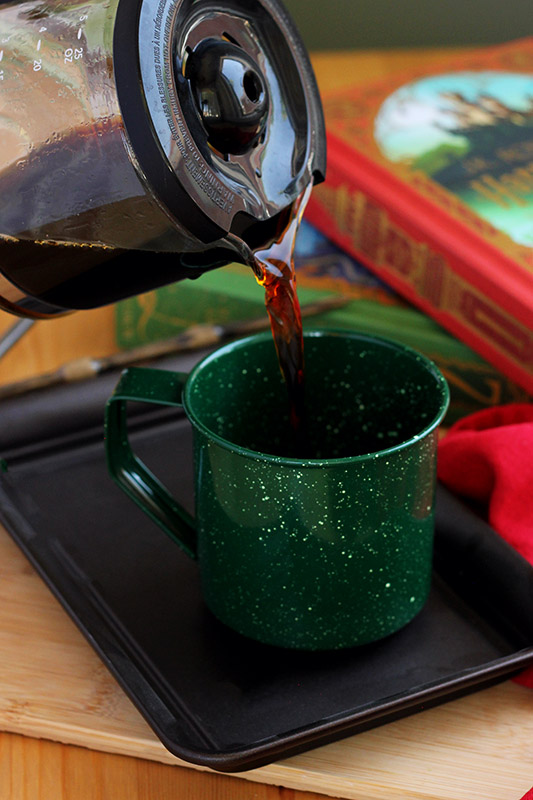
(52, 342)
(52, 685)
(33, 769)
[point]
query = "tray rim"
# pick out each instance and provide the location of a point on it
(246, 757)
(265, 751)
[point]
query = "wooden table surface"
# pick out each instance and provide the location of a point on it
(476, 748)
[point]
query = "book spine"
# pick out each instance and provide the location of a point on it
(471, 289)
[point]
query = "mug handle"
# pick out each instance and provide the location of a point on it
(141, 384)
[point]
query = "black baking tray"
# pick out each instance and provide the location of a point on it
(211, 696)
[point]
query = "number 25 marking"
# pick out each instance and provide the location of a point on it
(73, 53)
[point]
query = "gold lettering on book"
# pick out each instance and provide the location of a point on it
(477, 164)
(452, 204)
(507, 190)
(491, 322)
(520, 254)
(518, 151)
(489, 389)
(393, 252)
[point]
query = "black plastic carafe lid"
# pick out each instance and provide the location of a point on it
(221, 108)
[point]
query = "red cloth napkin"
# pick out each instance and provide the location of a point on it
(488, 457)
(528, 795)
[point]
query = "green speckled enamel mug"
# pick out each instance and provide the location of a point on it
(327, 551)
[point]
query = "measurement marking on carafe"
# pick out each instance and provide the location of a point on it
(72, 53)
(1, 54)
(80, 33)
(39, 44)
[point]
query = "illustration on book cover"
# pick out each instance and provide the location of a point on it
(472, 133)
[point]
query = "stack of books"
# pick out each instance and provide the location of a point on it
(430, 186)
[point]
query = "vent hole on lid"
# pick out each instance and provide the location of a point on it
(252, 86)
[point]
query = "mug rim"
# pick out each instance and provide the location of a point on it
(258, 455)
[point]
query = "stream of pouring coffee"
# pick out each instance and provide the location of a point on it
(274, 270)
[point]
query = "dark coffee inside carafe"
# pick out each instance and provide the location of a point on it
(53, 249)
(76, 274)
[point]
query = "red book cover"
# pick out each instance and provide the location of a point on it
(430, 184)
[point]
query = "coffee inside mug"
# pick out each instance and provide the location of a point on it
(362, 395)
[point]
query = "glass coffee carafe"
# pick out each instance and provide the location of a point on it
(145, 141)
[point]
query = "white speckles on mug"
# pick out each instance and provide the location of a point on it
(332, 547)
